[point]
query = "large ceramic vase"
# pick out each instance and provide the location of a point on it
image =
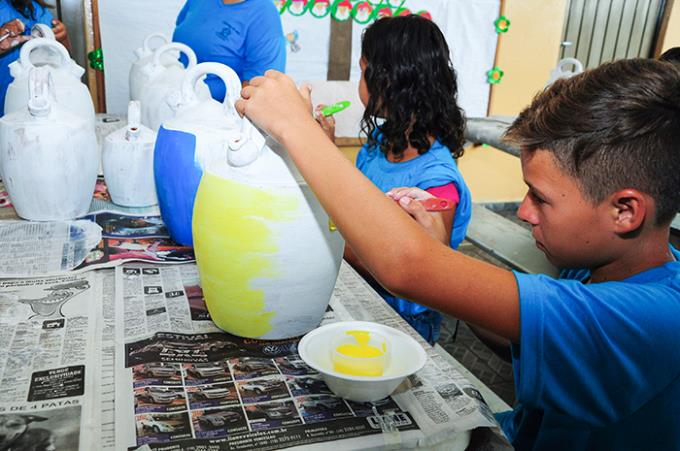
(198, 133)
(139, 73)
(48, 156)
(160, 81)
(267, 255)
(69, 91)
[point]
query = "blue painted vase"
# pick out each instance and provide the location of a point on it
(199, 133)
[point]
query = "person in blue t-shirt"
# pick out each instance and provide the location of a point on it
(19, 16)
(595, 354)
(246, 35)
(407, 80)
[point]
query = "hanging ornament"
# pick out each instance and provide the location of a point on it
(96, 58)
(425, 14)
(341, 10)
(494, 76)
(298, 7)
(281, 5)
(402, 12)
(502, 24)
(320, 8)
(384, 12)
(362, 13)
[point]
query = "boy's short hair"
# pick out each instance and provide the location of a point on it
(613, 127)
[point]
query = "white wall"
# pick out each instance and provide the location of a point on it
(467, 24)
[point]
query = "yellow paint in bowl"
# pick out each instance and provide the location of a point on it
(360, 353)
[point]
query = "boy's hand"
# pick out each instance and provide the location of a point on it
(61, 33)
(327, 122)
(433, 222)
(275, 104)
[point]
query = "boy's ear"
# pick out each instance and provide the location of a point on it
(629, 210)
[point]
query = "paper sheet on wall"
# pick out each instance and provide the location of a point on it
(468, 27)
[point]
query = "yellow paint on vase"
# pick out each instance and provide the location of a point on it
(234, 246)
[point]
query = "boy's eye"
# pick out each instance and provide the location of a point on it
(538, 199)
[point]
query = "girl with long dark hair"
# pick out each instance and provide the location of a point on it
(414, 129)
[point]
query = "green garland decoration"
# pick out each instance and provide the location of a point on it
(96, 58)
(334, 11)
(494, 76)
(502, 24)
(305, 8)
(355, 11)
(319, 16)
(379, 8)
(283, 7)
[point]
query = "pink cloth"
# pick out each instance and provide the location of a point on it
(447, 191)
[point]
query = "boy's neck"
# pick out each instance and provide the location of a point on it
(644, 254)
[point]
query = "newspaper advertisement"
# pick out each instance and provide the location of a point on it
(48, 362)
(105, 237)
(126, 238)
(183, 384)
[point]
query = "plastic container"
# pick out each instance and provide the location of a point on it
(316, 348)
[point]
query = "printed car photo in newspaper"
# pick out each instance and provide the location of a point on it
(180, 381)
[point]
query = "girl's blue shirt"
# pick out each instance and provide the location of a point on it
(436, 167)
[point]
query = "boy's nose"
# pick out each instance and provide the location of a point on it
(526, 211)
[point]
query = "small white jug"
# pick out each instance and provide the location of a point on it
(128, 162)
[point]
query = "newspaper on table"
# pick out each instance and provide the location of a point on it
(45, 248)
(107, 236)
(183, 384)
(49, 363)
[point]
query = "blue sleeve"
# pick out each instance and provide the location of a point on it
(265, 44)
(437, 173)
(595, 352)
(183, 13)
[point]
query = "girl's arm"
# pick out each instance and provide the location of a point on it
(398, 252)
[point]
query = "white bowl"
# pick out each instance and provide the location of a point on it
(407, 357)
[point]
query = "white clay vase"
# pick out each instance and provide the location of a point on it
(127, 160)
(162, 81)
(267, 253)
(71, 94)
(48, 155)
(138, 74)
(198, 133)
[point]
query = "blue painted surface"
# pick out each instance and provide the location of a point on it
(177, 178)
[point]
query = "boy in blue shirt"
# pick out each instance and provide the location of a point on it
(596, 355)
